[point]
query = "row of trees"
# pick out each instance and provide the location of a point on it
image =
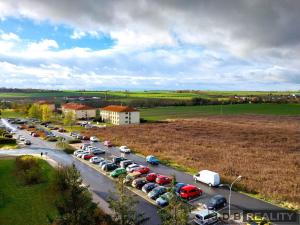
(76, 207)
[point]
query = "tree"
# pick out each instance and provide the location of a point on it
(177, 212)
(34, 111)
(46, 113)
(75, 206)
(69, 118)
(124, 206)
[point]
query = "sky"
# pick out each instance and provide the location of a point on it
(150, 44)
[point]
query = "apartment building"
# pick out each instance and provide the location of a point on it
(80, 111)
(120, 115)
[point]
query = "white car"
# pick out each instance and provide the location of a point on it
(94, 139)
(125, 149)
(95, 160)
(80, 154)
(22, 138)
(132, 167)
(77, 152)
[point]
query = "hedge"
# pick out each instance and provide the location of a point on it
(4, 140)
(74, 141)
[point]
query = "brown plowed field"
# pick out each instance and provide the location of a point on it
(265, 150)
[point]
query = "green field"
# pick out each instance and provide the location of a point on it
(24, 205)
(162, 113)
(141, 94)
(10, 113)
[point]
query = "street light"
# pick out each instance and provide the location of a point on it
(230, 188)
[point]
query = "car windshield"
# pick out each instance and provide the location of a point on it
(213, 201)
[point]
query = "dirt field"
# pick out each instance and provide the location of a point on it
(265, 150)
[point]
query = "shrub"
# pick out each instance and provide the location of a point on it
(74, 141)
(7, 135)
(69, 149)
(5, 140)
(51, 139)
(29, 169)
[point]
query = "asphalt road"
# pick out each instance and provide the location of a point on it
(101, 185)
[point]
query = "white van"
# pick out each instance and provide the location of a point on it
(205, 217)
(208, 177)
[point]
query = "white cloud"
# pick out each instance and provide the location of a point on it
(9, 37)
(78, 34)
(42, 46)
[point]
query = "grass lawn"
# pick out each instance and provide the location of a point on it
(24, 205)
(162, 113)
(8, 146)
(75, 128)
(10, 113)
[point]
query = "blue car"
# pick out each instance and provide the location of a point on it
(152, 160)
(178, 187)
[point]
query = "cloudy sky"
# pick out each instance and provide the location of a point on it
(150, 44)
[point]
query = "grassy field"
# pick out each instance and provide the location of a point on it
(141, 94)
(20, 204)
(10, 113)
(8, 146)
(263, 149)
(172, 112)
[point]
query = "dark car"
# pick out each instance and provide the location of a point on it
(156, 192)
(216, 202)
(139, 183)
(27, 142)
(178, 187)
(109, 167)
(117, 160)
(149, 187)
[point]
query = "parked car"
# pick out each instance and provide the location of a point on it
(216, 202)
(77, 152)
(94, 139)
(22, 138)
(83, 146)
(125, 163)
(109, 167)
(139, 183)
(87, 156)
(205, 217)
(27, 142)
(208, 177)
(102, 163)
(132, 167)
(117, 172)
(178, 187)
(108, 144)
(73, 134)
(97, 151)
(152, 160)
(164, 199)
(162, 180)
(151, 177)
(79, 155)
(142, 170)
(125, 149)
(156, 192)
(190, 191)
(85, 138)
(117, 160)
(95, 160)
(149, 186)
(130, 177)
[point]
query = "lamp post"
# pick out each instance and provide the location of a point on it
(230, 188)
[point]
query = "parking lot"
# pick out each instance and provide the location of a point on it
(238, 201)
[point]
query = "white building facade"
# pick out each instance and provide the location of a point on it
(120, 115)
(79, 111)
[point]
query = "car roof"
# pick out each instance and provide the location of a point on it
(218, 196)
(189, 187)
(204, 212)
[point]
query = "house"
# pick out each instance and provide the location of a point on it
(120, 115)
(51, 105)
(80, 111)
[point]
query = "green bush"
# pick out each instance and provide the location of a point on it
(74, 141)
(29, 169)
(51, 139)
(5, 140)
(69, 149)
(7, 135)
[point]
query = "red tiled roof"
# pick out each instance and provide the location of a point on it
(119, 108)
(44, 103)
(76, 106)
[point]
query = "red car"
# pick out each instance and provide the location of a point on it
(85, 138)
(86, 157)
(190, 191)
(161, 179)
(142, 170)
(151, 177)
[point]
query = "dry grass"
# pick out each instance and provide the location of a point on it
(265, 150)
